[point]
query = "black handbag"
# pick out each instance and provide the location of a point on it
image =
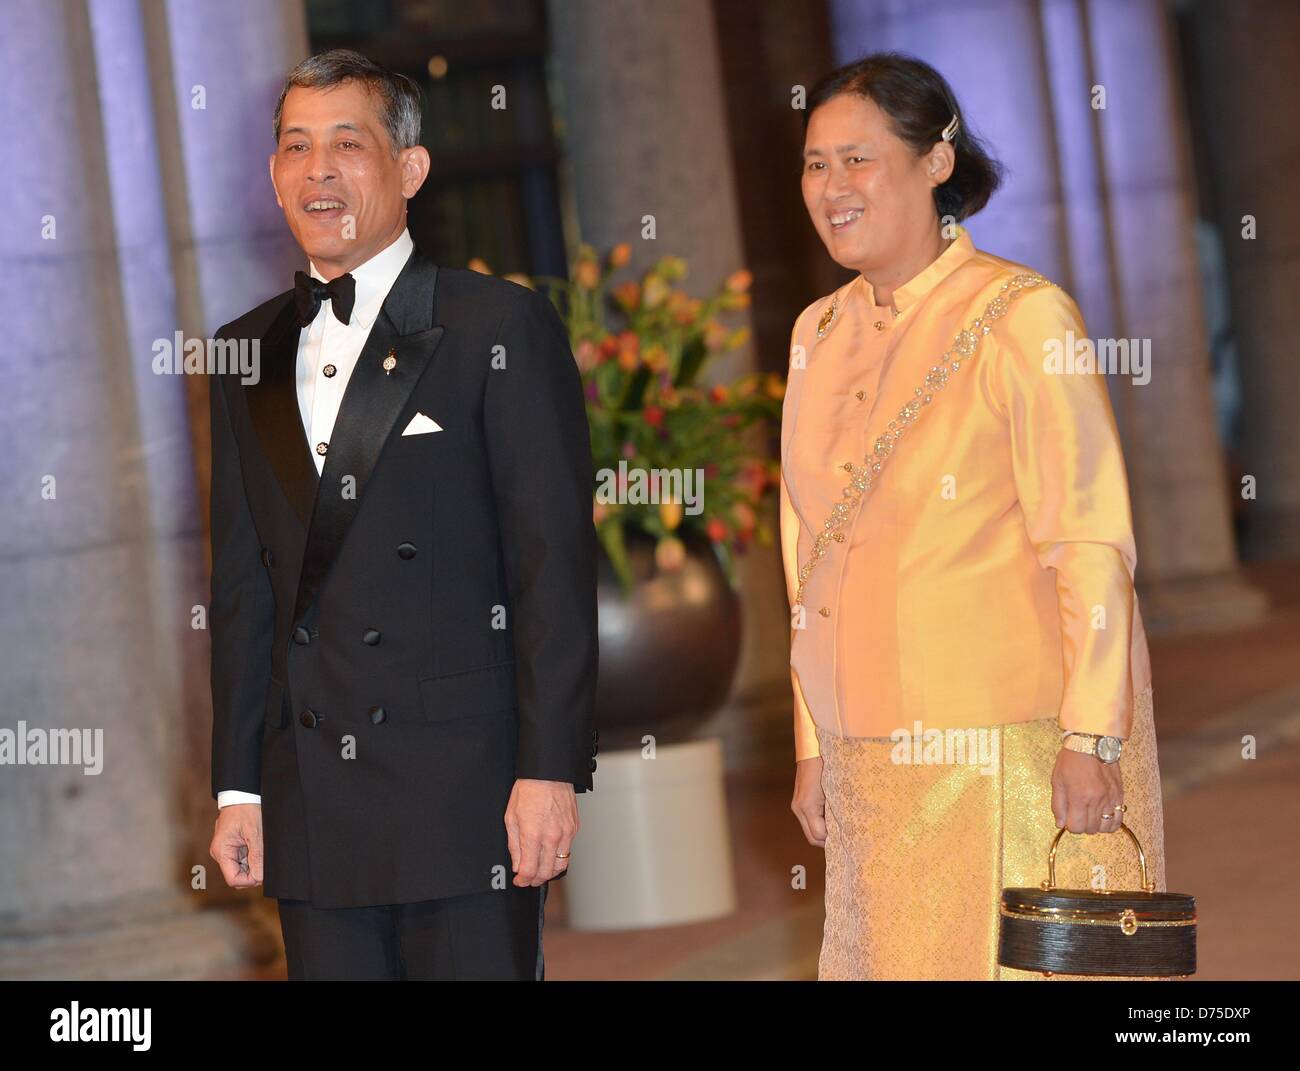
(1125, 933)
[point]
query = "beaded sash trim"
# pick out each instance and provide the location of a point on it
(964, 348)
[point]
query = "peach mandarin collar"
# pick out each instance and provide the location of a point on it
(929, 277)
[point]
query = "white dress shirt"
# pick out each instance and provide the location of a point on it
(327, 352)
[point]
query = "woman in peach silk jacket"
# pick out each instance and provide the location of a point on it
(959, 554)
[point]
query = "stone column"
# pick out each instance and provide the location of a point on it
(1248, 56)
(1098, 200)
(645, 133)
(102, 558)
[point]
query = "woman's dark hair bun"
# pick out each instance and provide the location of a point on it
(919, 103)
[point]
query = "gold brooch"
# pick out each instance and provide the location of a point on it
(828, 316)
(390, 362)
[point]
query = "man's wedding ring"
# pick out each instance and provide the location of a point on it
(561, 855)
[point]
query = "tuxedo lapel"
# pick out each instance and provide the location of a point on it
(276, 418)
(404, 336)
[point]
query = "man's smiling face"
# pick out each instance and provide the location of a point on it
(342, 188)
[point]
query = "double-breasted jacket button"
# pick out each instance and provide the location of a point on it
(329, 371)
(321, 448)
(301, 635)
(370, 636)
(378, 715)
(406, 551)
(310, 719)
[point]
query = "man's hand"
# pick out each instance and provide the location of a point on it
(1082, 788)
(809, 803)
(237, 844)
(541, 820)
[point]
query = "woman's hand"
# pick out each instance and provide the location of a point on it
(809, 803)
(1083, 787)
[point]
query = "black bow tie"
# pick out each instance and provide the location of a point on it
(309, 292)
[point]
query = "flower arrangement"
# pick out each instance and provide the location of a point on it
(671, 454)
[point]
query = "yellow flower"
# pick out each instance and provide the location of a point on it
(656, 358)
(671, 514)
(738, 338)
(655, 292)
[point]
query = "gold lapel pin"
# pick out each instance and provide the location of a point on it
(390, 362)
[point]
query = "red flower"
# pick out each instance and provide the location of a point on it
(654, 415)
(717, 530)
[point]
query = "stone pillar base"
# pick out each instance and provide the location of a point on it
(1217, 603)
(171, 940)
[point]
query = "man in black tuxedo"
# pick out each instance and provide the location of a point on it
(403, 574)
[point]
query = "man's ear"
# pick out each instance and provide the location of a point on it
(270, 164)
(415, 169)
(941, 163)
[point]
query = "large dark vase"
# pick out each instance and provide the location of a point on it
(669, 649)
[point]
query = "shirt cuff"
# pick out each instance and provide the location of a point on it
(227, 797)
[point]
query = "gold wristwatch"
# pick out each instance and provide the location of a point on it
(1105, 748)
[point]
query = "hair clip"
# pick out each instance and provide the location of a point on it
(950, 131)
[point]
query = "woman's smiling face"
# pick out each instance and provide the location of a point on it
(867, 193)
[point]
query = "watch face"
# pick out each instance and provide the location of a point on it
(1108, 748)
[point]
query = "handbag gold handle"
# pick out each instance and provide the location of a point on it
(1050, 883)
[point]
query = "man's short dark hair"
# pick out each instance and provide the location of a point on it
(399, 97)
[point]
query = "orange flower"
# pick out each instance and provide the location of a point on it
(479, 265)
(773, 386)
(628, 295)
(608, 348)
(717, 529)
(740, 281)
(738, 338)
(715, 335)
(718, 394)
(629, 341)
(628, 360)
(671, 514)
(619, 256)
(587, 274)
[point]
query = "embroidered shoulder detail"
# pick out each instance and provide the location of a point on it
(965, 346)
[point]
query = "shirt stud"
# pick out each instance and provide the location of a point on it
(321, 448)
(329, 370)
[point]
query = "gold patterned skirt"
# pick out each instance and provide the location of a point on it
(917, 855)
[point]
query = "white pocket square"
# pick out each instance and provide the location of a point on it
(421, 425)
